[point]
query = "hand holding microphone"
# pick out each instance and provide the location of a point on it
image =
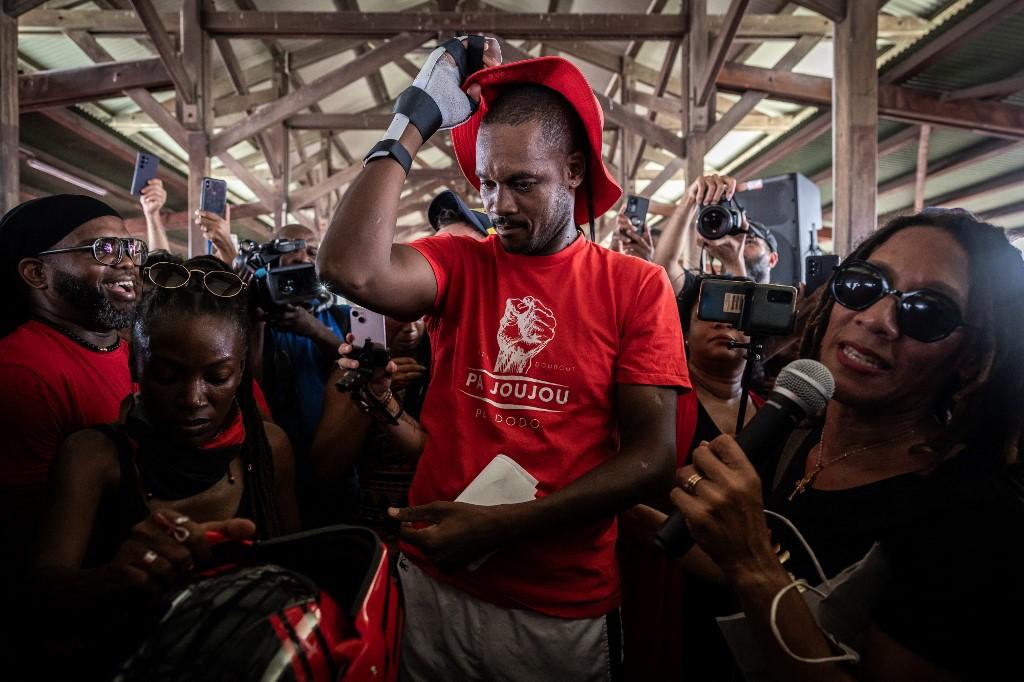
(802, 388)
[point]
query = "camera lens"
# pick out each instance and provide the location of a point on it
(288, 286)
(714, 222)
(780, 296)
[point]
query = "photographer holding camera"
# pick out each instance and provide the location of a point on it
(300, 345)
(743, 247)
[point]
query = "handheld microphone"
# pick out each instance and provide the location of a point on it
(803, 388)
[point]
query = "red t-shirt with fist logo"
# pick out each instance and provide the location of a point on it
(526, 354)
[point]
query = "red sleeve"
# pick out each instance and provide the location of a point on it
(651, 352)
(439, 251)
(32, 420)
(686, 426)
(261, 401)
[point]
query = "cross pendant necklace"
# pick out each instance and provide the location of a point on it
(807, 481)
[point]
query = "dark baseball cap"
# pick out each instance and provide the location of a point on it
(761, 231)
(454, 203)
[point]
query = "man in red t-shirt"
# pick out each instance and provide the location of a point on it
(71, 280)
(547, 348)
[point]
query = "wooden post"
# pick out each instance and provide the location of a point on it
(629, 141)
(921, 176)
(855, 127)
(280, 135)
(9, 181)
(198, 117)
(698, 118)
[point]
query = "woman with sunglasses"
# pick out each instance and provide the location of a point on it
(917, 452)
(131, 503)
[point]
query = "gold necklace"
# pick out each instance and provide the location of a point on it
(807, 481)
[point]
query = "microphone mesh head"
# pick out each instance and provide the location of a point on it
(809, 381)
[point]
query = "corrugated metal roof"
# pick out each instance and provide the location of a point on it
(987, 57)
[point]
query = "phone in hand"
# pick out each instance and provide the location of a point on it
(819, 269)
(636, 211)
(146, 167)
(367, 324)
(771, 311)
(214, 197)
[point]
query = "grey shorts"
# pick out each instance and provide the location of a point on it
(450, 635)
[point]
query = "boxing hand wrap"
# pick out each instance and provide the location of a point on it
(435, 100)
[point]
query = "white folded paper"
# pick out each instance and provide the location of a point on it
(502, 481)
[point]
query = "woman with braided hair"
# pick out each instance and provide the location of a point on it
(131, 503)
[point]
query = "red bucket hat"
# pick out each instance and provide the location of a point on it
(563, 77)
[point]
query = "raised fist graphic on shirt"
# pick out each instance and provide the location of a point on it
(526, 328)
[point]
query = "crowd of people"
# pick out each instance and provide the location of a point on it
(151, 402)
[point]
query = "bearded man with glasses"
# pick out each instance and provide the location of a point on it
(70, 276)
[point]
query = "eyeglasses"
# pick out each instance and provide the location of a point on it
(173, 276)
(110, 250)
(924, 315)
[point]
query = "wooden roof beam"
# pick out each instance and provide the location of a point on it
(64, 87)
(921, 172)
(804, 135)
(589, 26)
(739, 111)
(153, 23)
(752, 28)
(835, 10)
(149, 105)
(292, 103)
(723, 41)
(894, 102)
(995, 90)
(15, 8)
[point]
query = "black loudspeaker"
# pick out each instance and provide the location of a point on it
(790, 206)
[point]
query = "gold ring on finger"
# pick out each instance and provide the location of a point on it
(691, 483)
(181, 533)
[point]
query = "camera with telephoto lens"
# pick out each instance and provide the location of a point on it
(278, 285)
(722, 219)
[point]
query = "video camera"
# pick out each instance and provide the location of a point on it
(278, 285)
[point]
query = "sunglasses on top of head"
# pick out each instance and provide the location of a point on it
(220, 283)
(924, 315)
(110, 250)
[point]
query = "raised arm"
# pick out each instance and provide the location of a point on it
(357, 255)
(705, 190)
(153, 198)
(673, 237)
